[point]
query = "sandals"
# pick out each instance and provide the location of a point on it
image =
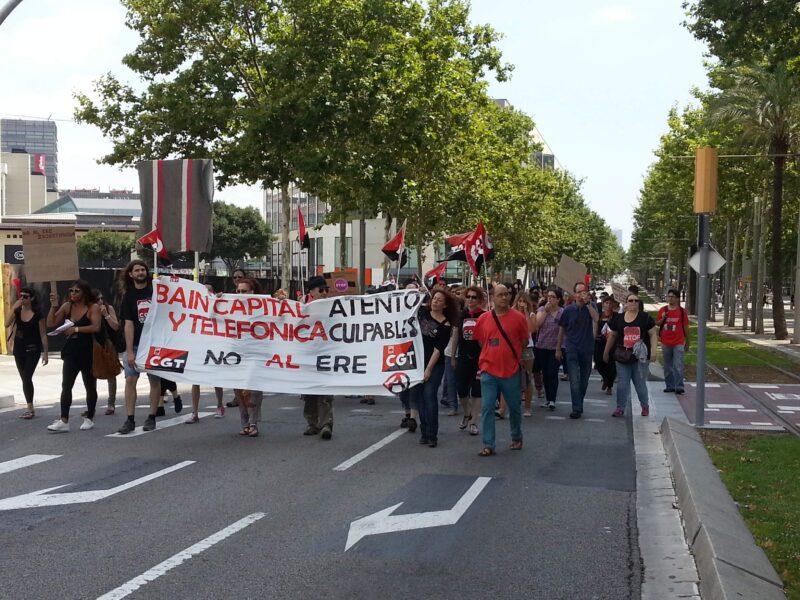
(110, 410)
(27, 415)
(464, 422)
(245, 430)
(253, 431)
(516, 445)
(487, 452)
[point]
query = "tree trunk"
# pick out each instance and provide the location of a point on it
(726, 304)
(730, 301)
(762, 277)
(343, 240)
(778, 314)
(755, 261)
(286, 255)
(419, 262)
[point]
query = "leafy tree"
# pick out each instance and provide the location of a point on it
(766, 105)
(239, 233)
(104, 245)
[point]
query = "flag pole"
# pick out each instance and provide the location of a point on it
(302, 281)
(197, 266)
(155, 263)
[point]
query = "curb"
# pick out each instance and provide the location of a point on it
(730, 564)
(6, 401)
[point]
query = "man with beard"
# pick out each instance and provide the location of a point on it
(138, 286)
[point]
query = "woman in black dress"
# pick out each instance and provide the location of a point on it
(30, 342)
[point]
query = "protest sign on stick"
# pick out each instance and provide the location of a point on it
(568, 273)
(51, 254)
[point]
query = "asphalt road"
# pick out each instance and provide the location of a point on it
(556, 520)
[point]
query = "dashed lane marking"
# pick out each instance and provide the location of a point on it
(181, 557)
(374, 448)
(761, 423)
(25, 461)
(160, 424)
(719, 422)
(747, 410)
(761, 386)
(725, 406)
(555, 418)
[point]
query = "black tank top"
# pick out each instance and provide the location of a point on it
(79, 344)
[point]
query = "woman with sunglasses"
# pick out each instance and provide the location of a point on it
(524, 304)
(82, 310)
(30, 342)
(249, 400)
(633, 339)
(546, 327)
(469, 351)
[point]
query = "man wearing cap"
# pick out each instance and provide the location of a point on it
(318, 410)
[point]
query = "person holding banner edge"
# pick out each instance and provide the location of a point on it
(318, 409)
(138, 286)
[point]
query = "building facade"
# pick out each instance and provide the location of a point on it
(36, 138)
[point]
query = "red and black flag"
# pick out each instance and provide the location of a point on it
(177, 198)
(305, 242)
(435, 274)
(153, 239)
(478, 249)
(395, 248)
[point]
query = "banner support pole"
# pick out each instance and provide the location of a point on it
(197, 266)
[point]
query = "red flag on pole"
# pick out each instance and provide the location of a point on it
(153, 239)
(395, 248)
(436, 273)
(305, 242)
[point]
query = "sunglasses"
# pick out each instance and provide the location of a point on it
(74, 290)
(471, 297)
(25, 296)
(633, 299)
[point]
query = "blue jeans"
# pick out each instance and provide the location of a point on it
(579, 368)
(450, 384)
(491, 386)
(673, 367)
(637, 372)
(423, 398)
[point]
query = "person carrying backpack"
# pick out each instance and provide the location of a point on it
(673, 330)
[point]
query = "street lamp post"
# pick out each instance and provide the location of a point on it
(6, 10)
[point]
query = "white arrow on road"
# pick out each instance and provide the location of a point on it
(43, 498)
(384, 521)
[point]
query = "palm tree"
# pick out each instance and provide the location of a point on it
(765, 104)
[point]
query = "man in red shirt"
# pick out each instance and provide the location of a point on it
(673, 326)
(502, 334)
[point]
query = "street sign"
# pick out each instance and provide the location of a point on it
(384, 521)
(41, 498)
(715, 261)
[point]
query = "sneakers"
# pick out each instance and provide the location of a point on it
(544, 404)
(128, 426)
(618, 413)
(575, 414)
(193, 418)
(87, 424)
(551, 405)
(325, 433)
(311, 430)
(452, 413)
(412, 424)
(178, 404)
(232, 403)
(160, 411)
(645, 411)
(608, 391)
(527, 413)
(150, 423)
(58, 426)
(464, 422)
(220, 412)
(404, 423)
(473, 429)
(680, 392)
(668, 390)
(109, 410)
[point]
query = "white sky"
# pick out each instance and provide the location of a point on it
(598, 78)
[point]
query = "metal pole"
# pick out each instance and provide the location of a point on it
(702, 317)
(796, 332)
(6, 10)
(755, 263)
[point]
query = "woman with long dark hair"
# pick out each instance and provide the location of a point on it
(467, 371)
(607, 369)
(30, 342)
(546, 327)
(84, 314)
(436, 321)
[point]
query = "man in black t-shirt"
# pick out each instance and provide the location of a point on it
(135, 306)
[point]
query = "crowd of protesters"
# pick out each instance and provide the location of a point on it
(486, 350)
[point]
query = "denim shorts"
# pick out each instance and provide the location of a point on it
(123, 358)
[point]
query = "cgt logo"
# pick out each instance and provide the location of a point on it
(166, 359)
(399, 357)
(397, 382)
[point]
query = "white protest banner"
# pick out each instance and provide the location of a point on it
(344, 345)
(568, 273)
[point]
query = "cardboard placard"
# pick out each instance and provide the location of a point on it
(619, 291)
(50, 253)
(342, 283)
(569, 272)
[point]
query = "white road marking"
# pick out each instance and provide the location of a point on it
(712, 409)
(760, 423)
(789, 408)
(595, 420)
(160, 424)
(725, 405)
(783, 396)
(708, 385)
(362, 410)
(384, 521)
(25, 461)
(365, 453)
(181, 557)
(41, 498)
(555, 418)
(747, 410)
(786, 412)
(290, 408)
(761, 386)
(719, 422)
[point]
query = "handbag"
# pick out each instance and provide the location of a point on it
(624, 355)
(105, 360)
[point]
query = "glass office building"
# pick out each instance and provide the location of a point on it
(33, 137)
